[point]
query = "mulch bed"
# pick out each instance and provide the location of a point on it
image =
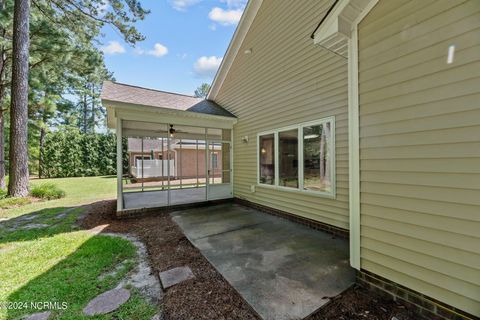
(358, 303)
(209, 296)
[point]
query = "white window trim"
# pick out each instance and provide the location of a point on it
(139, 156)
(299, 190)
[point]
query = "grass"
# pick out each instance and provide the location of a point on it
(59, 263)
(78, 191)
(7, 203)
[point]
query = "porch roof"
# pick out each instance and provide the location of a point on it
(123, 96)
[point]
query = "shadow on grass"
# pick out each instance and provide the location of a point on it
(75, 279)
(43, 223)
(62, 264)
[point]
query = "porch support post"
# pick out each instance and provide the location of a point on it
(354, 152)
(119, 165)
(207, 165)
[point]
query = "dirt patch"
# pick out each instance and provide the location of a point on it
(208, 295)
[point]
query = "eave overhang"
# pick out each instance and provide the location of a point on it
(336, 29)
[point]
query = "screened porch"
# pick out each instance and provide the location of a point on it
(172, 149)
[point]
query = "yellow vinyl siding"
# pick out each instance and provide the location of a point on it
(286, 80)
(420, 147)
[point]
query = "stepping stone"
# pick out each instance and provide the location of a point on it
(34, 226)
(157, 317)
(107, 302)
(174, 276)
(39, 316)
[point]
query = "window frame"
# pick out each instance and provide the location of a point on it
(301, 164)
(139, 157)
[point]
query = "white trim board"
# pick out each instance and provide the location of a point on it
(128, 111)
(338, 33)
(119, 165)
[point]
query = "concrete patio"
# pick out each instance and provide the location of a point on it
(284, 270)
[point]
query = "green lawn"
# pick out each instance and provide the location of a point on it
(59, 263)
(79, 191)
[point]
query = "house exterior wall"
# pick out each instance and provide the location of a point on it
(420, 147)
(286, 80)
(186, 160)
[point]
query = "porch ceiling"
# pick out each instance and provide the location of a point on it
(161, 130)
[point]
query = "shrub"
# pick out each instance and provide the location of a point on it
(47, 191)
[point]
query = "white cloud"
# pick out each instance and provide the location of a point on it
(159, 50)
(235, 3)
(205, 67)
(182, 5)
(212, 27)
(113, 47)
(225, 17)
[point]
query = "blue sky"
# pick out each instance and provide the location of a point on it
(185, 42)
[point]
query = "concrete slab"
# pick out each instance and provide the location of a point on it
(284, 270)
(154, 199)
(174, 276)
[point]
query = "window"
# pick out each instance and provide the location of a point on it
(267, 159)
(140, 158)
(214, 160)
(305, 157)
(317, 168)
(288, 158)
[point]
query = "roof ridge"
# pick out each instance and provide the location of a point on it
(156, 90)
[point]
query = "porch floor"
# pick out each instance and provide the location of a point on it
(159, 198)
(284, 270)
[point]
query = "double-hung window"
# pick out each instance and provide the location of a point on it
(299, 158)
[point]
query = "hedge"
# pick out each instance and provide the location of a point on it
(70, 153)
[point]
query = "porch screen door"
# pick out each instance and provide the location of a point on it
(219, 170)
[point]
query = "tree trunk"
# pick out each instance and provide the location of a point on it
(327, 145)
(41, 151)
(2, 145)
(85, 113)
(322, 155)
(2, 121)
(92, 121)
(18, 169)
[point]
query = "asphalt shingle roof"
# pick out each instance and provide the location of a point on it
(120, 92)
